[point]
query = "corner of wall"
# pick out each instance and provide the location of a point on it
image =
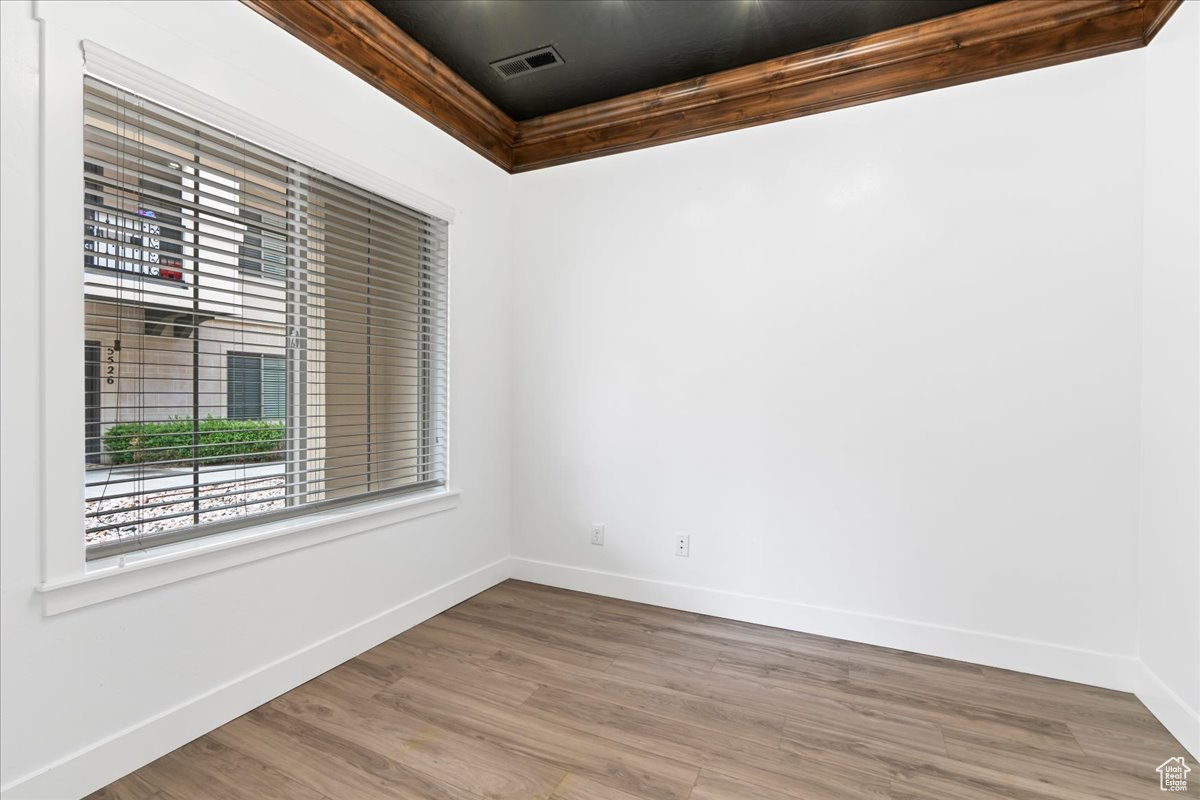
(1168, 598)
(1169, 708)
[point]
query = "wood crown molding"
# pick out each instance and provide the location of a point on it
(356, 36)
(1157, 14)
(999, 39)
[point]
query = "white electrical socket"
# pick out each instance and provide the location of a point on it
(598, 535)
(682, 545)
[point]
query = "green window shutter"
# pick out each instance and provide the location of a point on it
(244, 387)
(274, 387)
(274, 254)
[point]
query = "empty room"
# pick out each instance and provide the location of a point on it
(599, 399)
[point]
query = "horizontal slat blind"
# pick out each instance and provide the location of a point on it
(271, 339)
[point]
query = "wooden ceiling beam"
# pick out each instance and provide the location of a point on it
(989, 41)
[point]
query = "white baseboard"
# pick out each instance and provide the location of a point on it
(1022, 655)
(1176, 716)
(97, 765)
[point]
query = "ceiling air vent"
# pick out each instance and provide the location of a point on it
(534, 60)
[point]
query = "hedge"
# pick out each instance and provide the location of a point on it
(222, 441)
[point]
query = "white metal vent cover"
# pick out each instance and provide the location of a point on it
(532, 61)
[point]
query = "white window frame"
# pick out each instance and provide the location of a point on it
(68, 580)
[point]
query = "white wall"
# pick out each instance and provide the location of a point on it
(884, 365)
(1168, 589)
(881, 364)
(104, 688)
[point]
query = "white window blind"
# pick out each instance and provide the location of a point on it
(262, 339)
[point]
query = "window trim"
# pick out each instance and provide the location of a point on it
(64, 562)
(117, 576)
(107, 65)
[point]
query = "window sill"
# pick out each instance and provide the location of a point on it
(118, 576)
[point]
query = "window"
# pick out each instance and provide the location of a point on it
(160, 259)
(262, 339)
(256, 386)
(261, 249)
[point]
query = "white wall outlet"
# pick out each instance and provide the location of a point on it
(598, 535)
(683, 544)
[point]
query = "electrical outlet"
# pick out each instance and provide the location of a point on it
(598, 535)
(683, 544)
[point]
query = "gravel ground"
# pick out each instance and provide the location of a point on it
(266, 494)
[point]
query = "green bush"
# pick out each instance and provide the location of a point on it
(221, 441)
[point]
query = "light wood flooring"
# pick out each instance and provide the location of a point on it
(530, 692)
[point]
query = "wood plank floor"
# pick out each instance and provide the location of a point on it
(530, 692)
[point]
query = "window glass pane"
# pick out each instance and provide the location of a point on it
(261, 338)
(274, 387)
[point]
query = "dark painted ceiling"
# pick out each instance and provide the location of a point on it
(613, 47)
